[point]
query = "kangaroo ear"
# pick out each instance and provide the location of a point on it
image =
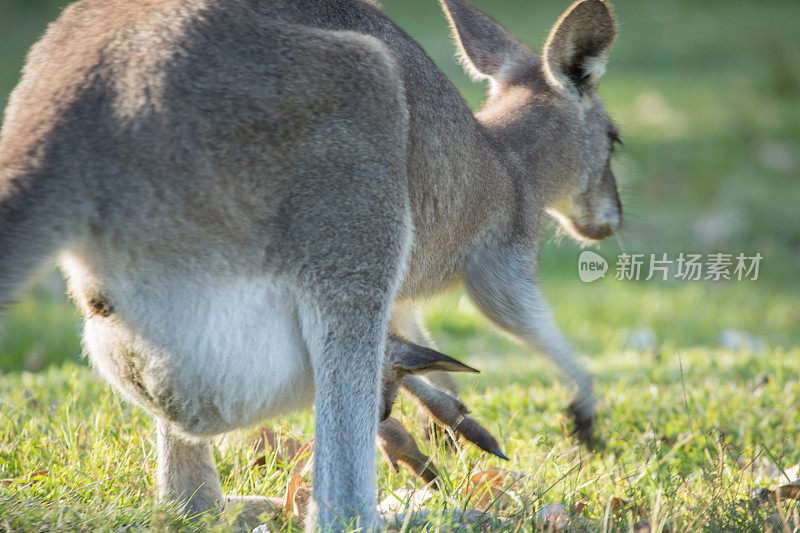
(486, 49)
(577, 49)
(411, 358)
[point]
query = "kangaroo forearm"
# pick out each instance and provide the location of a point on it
(502, 285)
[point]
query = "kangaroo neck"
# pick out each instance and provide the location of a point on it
(460, 193)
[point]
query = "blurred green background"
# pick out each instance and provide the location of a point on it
(707, 95)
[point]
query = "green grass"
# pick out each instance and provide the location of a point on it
(708, 97)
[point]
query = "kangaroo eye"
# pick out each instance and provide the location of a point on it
(613, 136)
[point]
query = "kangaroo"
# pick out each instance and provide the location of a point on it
(240, 192)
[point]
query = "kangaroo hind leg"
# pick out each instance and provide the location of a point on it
(187, 474)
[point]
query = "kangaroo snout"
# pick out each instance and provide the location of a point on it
(590, 218)
(602, 227)
(605, 223)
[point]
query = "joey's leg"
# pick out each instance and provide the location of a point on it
(407, 322)
(404, 365)
(436, 393)
(398, 446)
(502, 284)
(186, 471)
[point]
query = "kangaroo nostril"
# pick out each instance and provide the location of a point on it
(609, 218)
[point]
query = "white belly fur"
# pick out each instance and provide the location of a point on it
(209, 353)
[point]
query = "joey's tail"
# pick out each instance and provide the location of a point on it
(33, 224)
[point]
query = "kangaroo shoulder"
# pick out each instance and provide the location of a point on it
(356, 69)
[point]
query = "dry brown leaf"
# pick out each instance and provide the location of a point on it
(302, 457)
(29, 479)
(623, 505)
(490, 486)
(301, 501)
(579, 507)
(618, 503)
(295, 482)
(287, 447)
(264, 442)
(297, 498)
(790, 491)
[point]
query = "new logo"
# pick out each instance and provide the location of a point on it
(591, 266)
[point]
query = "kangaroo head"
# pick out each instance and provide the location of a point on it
(545, 112)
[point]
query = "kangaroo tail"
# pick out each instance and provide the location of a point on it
(32, 224)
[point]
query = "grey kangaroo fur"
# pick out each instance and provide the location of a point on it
(240, 192)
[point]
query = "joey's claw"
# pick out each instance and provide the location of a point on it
(471, 430)
(398, 446)
(584, 425)
(498, 453)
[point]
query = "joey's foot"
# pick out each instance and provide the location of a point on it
(583, 421)
(438, 435)
(250, 511)
(450, 412)
(468, 429)
(472, 431)
(398, 447)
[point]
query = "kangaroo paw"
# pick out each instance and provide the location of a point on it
(583, 421)
(251, 511)
(398, 447)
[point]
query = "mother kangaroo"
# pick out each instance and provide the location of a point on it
(240, 193)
